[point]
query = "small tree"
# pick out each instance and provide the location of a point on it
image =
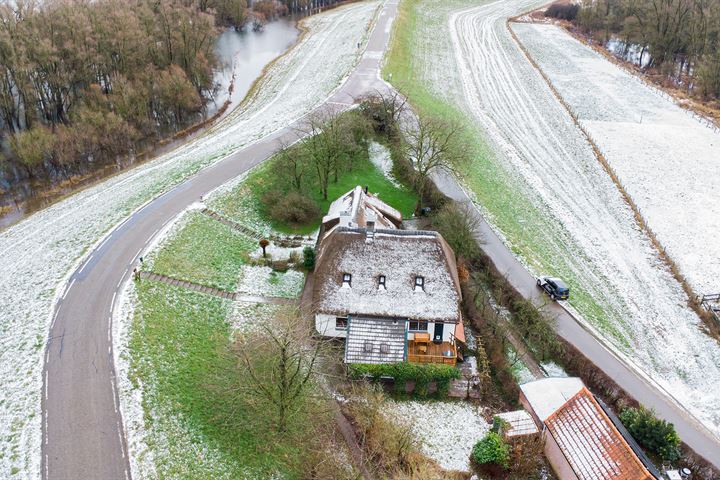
(458, 226)
(281, 361)
(309, 258)
(263, 244)
(433, 146)
(491, 449)
(655, 434)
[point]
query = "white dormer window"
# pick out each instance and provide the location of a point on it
(347, 279)
(381, 283)
(419, 283)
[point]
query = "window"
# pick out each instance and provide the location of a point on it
(419, 283)
(347, 278)
(341, 323)
(381, 282)
(368, 346)
(418, 326)
(384, 348)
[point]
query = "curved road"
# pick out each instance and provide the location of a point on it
(83, 434)
(82, 427)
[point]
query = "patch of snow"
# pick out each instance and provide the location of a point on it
(552, 370)
(447, 430)
(381, 158)
(264, 281)
(37, 253)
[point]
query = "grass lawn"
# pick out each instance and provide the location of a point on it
(204, 251)
(243, 203)
(417, 58)
(199, 427)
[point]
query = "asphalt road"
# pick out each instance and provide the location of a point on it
(83, 434)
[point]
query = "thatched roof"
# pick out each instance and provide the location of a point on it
(400, 256)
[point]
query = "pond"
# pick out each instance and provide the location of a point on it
(245, 54)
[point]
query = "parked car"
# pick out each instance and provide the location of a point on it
(554, 287)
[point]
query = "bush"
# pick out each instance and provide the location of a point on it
(293, 208)
(402, 372)
(657, 435)
(309, 258)
(563, 10)
(491, 449)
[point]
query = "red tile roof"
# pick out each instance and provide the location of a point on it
(591, 443)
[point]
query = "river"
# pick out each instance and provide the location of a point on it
(242, 55)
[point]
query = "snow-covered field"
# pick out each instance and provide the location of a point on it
(667, 161)
(447, 432)
(38, 253)
(549, 156)
(541, 186)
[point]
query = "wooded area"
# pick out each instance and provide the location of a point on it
(84, 82)
(678, 39)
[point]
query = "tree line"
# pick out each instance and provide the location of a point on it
(678, 39)
(84, 82)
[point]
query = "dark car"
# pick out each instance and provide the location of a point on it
(554, 287)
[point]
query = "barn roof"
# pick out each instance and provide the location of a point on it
(592, 445)
(400, 256)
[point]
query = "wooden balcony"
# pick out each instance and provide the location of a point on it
(429, 352)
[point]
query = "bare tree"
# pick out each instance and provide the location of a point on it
(385, 109)
(281, 361)
(433, 147)
(292, 163)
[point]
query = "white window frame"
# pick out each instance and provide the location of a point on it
(419, 283)
(347, 279)
(341, 319)
(382, 282)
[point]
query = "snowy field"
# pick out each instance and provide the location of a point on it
(667, 161)
(448, 430)
(540, 185)
(38, 253)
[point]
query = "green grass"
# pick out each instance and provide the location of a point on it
(199, 426)
(204, 251)
(421, 40)
(243, 202)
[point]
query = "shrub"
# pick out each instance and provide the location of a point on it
(402, 372)
(309, 258)
(491, 449)
(293, 208)
(657, 435)
(563, 10)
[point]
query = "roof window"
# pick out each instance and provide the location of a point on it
(381, 282)
(419, 283)
(346, 279)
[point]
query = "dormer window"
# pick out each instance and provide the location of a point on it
(381, 282)
(419, 283)
(347, 279)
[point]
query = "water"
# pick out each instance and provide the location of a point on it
(245, 54)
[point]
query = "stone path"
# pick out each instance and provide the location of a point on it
(216, 292)
(232, 224)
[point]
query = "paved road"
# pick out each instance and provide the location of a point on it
(83, 434)
(82, 427)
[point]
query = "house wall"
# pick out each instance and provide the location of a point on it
(448, 331)
(555, 456)
(325, 325)
(557, 459)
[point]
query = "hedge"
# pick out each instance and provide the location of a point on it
(404, 372)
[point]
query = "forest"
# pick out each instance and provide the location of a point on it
(85, 83)
(676, 39)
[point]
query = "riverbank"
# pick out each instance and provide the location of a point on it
(243, 58)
